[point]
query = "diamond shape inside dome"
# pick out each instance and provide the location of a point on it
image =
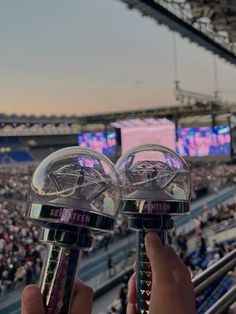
(151, 174)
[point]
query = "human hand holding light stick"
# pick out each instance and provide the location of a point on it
(67, 198)
(81, 301)
(156, 187)
(172, 288)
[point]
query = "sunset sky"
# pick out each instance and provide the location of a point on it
(93, 56)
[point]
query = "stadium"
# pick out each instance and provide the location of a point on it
(200, 128)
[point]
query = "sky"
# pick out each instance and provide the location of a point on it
(95, 56)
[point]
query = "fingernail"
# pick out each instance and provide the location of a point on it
(151, 239)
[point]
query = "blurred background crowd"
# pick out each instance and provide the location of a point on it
(21, 254)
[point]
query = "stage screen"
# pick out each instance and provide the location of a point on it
(204, 141)
(148, 131)
(102, 142)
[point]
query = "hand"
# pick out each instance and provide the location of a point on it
(82, 300)
(172, 289)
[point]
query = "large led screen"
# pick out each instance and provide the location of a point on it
(160, 132)
(204, 141)
(102, 142)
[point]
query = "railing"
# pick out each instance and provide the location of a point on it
(224, 302)
(201, 282)
(204, 280)
(211, 274)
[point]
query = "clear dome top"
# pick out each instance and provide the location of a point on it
(77, 178)
(154, 172)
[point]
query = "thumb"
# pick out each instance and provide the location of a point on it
(32, 302)
(156, 252)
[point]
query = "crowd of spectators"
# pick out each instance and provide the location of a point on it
(211, 177)
(197, 258)
(21, 255)
(207, 252)
(14, 182)
(205, 178)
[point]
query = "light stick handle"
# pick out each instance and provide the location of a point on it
(57, 278)
(144, 272)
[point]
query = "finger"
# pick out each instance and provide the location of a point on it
(82, 299)
(131, 309)
(132, 289)
(161, 274)
(32, 302)
(179, 270)
(182, 277)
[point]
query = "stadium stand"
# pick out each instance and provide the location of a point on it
(201, 239)
(22, 255)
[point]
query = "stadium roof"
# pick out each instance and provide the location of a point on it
(197, 114)
(14, 118)
(211, 24)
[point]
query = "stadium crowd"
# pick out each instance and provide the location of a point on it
(20, 254)
(205, 252)
(211, 177)
(14, 183)
(205, 178)
(202, 255)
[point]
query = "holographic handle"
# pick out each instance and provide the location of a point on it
(144, 275)
(57, 279)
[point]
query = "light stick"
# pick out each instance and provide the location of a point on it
(74, 193)
(156, 187)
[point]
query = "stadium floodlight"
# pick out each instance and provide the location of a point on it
(74, 192)
(156, 186)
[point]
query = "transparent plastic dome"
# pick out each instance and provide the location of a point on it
(154, 172)
(77, 178)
